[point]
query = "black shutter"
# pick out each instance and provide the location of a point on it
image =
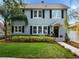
(48, 30)
(22, 29)
(62, 14)
(43, 13)
(50, 13)
(31, 14)
(31, 30)
(12, 29)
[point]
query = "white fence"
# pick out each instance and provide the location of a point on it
(73, 36)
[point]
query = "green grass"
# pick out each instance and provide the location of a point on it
(33, 50)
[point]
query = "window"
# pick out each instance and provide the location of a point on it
(56, 13)
(39, 29)
(37, 13)
(45, 29)
(18, 29)
(34, 29)
(40, 13)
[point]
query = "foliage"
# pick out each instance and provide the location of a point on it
(74, 13)
(66, 22)
(77, 28)
(12, 8)
(67, 38)
(32, 39)
(29, 50)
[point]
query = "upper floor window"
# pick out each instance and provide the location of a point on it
(38, 13)
(56, 13)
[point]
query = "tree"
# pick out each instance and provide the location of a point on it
(11, 10)
(74, 13)
(66, 22)
(66, 26)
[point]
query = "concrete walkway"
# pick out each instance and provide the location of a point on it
(35, 58)
(71, 48)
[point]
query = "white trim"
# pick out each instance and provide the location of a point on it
(18, 29)
(42, 30)
(56, 14)
(37, 13)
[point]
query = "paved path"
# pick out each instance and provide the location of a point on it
(35, 58)
(71, 48)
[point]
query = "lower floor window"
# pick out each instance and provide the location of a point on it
(45, 30)
(35, 29)
(18, 29)
(40, 30)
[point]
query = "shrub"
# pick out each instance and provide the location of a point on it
(67, 38)
(32, 39)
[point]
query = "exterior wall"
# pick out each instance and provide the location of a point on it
(15, 23)
(41, 22)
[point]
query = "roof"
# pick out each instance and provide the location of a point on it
(45, 6)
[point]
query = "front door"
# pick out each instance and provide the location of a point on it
(56, 31)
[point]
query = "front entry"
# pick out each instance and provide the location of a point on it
(56, 31)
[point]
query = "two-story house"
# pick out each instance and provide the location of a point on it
(43, 19)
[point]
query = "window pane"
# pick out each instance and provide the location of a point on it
(56, 13)
(53, 13)
(34, 29)
(20, 28)
(45, 30)
(40, 13)
(40, 29)
(15, 28)
(35, 13)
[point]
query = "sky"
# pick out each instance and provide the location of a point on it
(71, 3)
(67, 2)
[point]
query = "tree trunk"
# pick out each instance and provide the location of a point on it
(5, 30)
(8, 30)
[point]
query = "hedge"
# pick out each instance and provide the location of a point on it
(32, 39)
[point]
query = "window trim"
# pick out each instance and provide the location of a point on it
(38, 13)
(42, 32)
(56, 13)
(46, 29)
(18, 28)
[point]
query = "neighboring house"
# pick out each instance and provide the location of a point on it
(77, 27)
(43, 19)
(74, 27)
(1, 29)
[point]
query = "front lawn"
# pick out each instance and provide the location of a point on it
(33, 50)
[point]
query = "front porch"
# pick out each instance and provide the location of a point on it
(58, 31)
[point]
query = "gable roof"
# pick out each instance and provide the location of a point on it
(45, 6)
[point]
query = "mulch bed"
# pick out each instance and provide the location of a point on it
(73, 44)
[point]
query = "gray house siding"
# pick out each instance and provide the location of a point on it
(45, 20)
